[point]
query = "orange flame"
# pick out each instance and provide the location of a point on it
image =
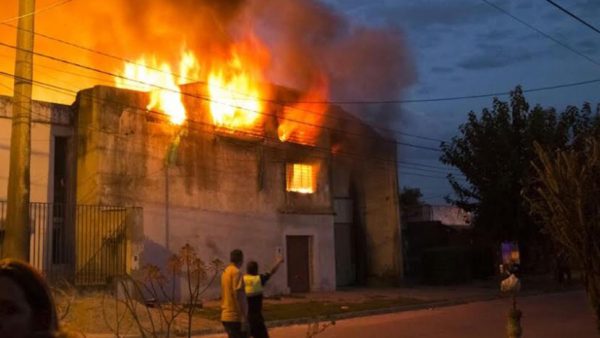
(301, 122)
(236, 87)
(235, 98)
(236, 91)
(163, 86)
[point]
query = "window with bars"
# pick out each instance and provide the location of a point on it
(301, 178)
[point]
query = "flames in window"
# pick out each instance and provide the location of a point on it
(301, 178)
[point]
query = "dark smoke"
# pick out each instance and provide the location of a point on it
(307, 39)
(362, 63)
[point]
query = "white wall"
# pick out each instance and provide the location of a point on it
(40, 171)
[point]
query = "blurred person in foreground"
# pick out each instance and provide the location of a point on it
(234, 309)
(27, 309)
(254, 286)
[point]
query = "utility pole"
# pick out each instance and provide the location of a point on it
(16, 237)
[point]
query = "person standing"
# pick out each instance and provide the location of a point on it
(254, 286)
(234, 308)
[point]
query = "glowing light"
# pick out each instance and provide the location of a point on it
(301, 178)
(158, 79)
(300, 123)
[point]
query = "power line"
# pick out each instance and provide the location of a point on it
(51, 6)
(439, 99)
(53, 58)
(564, 45)
(351, 102)
(574, 16)
(424, 170)
(111, 82)
(423, 175)
(195, 123)
(411, 165)
(91, 50)
(427, 166)
(312, 125)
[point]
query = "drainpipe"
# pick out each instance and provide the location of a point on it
(170, 159)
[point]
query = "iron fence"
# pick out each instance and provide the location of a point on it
(84, 244)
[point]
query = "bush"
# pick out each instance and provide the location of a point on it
(447, 265)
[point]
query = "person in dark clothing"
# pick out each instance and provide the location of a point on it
(254, 286)
(27, 308)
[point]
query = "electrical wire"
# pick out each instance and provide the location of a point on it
(564, 45)
(108, 55)
(193, 124)
(204, 98)
(41, 10)
(573, 16)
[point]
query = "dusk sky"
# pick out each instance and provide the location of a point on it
(467, 47)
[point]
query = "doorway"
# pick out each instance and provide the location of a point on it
(298, 263)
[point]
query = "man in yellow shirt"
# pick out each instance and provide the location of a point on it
(234, 308)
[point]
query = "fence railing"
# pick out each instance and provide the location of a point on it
(84, 244)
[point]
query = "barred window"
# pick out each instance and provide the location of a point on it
(301, 178)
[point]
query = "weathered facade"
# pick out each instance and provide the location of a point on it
(219, 190)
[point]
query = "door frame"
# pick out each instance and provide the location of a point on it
(311, 259)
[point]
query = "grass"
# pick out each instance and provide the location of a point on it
(95, 313)
(287, 311)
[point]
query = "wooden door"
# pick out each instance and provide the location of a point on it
(298, 256)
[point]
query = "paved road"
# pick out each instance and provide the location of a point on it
(548, 316)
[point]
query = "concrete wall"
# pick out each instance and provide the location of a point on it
(365, 171)
(218, 192)
(48, 120)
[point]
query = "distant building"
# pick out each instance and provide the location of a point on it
(448, 215)
(430, 227)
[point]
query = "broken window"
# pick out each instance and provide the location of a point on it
(301, 178)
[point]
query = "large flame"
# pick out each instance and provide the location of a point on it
(301, 122)
(158, 79)
(235, 101)
(236, 86)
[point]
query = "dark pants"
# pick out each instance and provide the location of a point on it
(234, 330)
(258, 329)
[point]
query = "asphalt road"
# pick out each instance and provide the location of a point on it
(549, 316)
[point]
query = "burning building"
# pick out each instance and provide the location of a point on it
(328, 200)
(212, 153)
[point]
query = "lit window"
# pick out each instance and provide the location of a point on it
(300, 178)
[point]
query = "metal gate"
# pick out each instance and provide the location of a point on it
(84, 244)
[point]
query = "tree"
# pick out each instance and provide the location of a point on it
(564, 195)
(410, 199)
(493, 151)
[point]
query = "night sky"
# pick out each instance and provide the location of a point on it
(466, 47)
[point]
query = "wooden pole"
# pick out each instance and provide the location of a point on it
(16, 238)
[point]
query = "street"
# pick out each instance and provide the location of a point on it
(556, 315)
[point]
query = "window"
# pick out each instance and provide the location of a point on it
(301, 178)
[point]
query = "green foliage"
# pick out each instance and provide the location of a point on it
(564, 196)
(410, 198)
(446, 265)
(494, 150)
